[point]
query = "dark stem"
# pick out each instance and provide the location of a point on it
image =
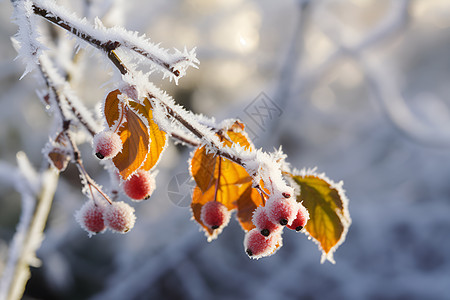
(108, 46)
(184, 140)
(79, 117)
(263, 194)
(219, 170)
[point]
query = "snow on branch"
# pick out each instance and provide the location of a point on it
(36, 203)
(172, 65)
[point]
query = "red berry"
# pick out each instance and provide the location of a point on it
(140, 186)
(282, 211)
(261, 220)
(256, 245)
(90, 217)
(119, 216)
(300, 220)
(215, 215)
(107, 144)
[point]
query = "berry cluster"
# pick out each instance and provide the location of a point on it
(96, 217)
(269, 221)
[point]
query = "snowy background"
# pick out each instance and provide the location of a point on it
(359, 89)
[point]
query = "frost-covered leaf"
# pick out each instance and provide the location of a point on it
(205, 166)
(328, 210)
(248, 201)
(111, 108)
(221, 179)
(158, 138)
(135, 139)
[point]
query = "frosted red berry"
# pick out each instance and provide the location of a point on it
(119, 216)
(107, 144)
(262, 222)
(282, 211)
(215, 215)
(90, 217)
(140, 186)
(300, 220)
(256, 245)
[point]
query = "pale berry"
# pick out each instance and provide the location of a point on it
(261, 220)
(256, 245)
(90, 217)
(140, 186)
(119, 216)
(215, 215)
(300, 220)
(282, 211)
(107, 144)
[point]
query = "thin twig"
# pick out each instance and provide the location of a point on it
(107, 46)
(76, 155)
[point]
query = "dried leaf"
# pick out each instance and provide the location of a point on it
(59, 159)
(135, 138)
(328, 210)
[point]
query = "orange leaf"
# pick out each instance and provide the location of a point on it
(158, 138)
(135, 139)
(233, 184)
(198, 200)
(202, 168)
(248, 201)
(111, 107)
(225, 195)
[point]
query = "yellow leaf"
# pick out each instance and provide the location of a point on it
(135, 139)
(328, 211)
(158, 138)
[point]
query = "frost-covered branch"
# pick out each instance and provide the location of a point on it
(65, 122)
(59, 85)
(36, 203)
(109, 40)
(172, 65)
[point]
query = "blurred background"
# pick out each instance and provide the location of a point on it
(358, 89)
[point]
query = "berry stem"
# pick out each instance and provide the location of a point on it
(263, 194)
(219, 170)
(65, 125)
